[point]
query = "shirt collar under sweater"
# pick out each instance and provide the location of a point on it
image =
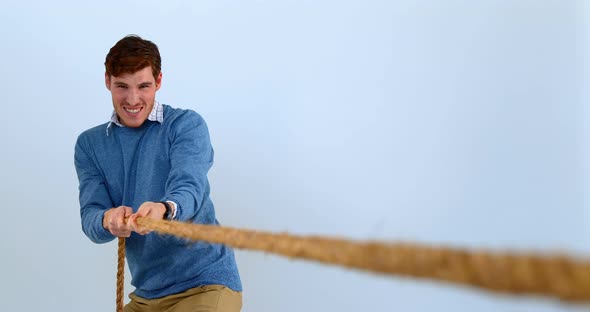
(157, 114)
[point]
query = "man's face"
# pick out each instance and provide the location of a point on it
(133, 95)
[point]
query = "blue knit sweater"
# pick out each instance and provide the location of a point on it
(155, 162)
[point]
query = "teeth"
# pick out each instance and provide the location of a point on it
(132, 110)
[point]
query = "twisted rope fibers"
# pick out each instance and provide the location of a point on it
(120, 273)
(555, 276)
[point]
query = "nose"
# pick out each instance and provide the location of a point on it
(133, 97)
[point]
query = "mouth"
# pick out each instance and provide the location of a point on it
(132, 111)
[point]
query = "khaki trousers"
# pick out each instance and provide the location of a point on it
(208, 298)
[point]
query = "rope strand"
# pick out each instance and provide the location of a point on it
(556, 276)
(120, 273)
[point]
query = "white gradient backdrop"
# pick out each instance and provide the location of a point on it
(463, 123)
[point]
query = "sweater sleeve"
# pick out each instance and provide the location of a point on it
(191, 157)
(94, 197)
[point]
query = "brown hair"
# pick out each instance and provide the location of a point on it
(132, 53)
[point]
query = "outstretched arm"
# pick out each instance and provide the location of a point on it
(100, 222)
(191, 157)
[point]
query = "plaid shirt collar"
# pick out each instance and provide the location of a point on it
(157, 114)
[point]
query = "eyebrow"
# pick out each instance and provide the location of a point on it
(146, 83)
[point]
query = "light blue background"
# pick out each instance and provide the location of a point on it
(455, 122)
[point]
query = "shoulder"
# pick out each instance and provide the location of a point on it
(92, 134)
(184, 124)
(87, 142)
(178, 117)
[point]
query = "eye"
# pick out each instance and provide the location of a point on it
(122, 87)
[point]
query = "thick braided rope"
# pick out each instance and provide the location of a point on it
(554, 276)
(120, 273)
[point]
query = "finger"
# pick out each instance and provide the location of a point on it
(131, 222)
(138, 228)
(118, 228)
(119, 224)
(123, 234)
(113, 224)
(120, 219)
(144, 231)
(133, 217)
(119, 215)
(141, 212)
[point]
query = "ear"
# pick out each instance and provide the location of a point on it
(107, 81)
(159, 81)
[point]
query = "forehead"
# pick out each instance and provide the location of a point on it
(141, 76)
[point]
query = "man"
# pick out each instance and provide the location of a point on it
(151, 160)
